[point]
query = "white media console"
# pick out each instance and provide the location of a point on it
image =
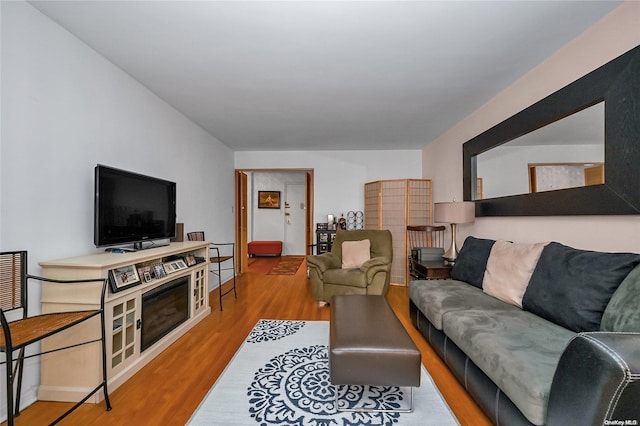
(68, 375)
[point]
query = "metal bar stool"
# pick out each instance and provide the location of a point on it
(218, 260)
(22, 332)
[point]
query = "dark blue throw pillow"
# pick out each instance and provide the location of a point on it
(472, 261)
(572, 287)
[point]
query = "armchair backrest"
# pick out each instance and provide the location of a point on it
(381, 241)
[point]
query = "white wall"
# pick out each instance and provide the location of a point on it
(65, 108)
(612, 36)
(269, 224)
(339, 176)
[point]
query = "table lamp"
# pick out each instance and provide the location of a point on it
(454, 213)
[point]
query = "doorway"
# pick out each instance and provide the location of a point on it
(294, 219)
(297, 236)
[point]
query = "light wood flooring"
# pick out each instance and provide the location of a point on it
(169, 388)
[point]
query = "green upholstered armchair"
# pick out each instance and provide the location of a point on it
(328, 278)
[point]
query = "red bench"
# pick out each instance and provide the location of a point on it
(265, 247)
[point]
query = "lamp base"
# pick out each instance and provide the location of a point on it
(449, 260)
(452, 253)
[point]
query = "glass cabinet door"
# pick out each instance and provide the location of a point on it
(200, 290)
(123, 318)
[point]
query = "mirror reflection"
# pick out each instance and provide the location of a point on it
(568, 153)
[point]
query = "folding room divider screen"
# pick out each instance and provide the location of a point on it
(393, 205)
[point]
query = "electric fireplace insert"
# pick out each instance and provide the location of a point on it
(163, 309)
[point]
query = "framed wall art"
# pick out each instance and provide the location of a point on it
(268, 199)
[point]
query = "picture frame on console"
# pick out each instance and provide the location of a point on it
(175, 266)
(268, 199)
(123, 278)
(145, 273)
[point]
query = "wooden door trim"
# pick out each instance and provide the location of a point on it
(240, 218)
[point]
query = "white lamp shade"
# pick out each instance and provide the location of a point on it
(462, 212)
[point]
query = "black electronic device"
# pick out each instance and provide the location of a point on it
(132, 208)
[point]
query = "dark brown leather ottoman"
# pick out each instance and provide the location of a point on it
(369, 346)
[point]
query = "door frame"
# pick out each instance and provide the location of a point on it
(241, 196)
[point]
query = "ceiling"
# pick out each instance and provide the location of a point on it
(326, 75)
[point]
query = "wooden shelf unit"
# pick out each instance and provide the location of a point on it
(324, 240)
(68, 375)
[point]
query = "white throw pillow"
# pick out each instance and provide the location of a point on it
(355, 253)
(509, 270)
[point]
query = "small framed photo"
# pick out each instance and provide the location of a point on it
(174, 266)
(145, 273)
(268, 199)
(158, 270)
(190, 259)
(123, 278)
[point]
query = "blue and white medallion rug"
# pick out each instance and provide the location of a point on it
(280, 376)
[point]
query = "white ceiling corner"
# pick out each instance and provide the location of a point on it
(314, 75)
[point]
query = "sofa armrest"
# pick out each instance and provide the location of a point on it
(324, 261)
(597, 381)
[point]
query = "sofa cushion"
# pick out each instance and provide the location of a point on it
(572, 287)
(623, 311)
(355, 253)
(434, 298)
(472, 261)
(516, 349)
(509, 270)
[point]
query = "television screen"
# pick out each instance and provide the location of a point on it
(132, 208)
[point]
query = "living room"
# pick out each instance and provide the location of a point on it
(66, 108)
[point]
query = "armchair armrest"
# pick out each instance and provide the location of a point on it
(376, 261)
(375, 265)
(324, 261)
(597, 381)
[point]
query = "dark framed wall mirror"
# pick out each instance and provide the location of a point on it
(594, 121)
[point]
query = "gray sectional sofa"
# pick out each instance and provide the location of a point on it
(538, 333)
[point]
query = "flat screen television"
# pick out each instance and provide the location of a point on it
(131, 208)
